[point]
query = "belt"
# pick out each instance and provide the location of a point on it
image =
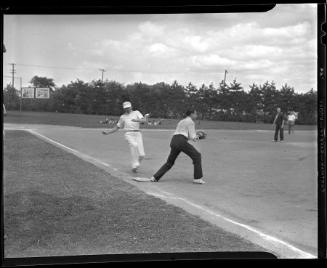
(134, 130)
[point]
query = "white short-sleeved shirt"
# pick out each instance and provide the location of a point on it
(125, 121)
(186, 127)
(291, 117)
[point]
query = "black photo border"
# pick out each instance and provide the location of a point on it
(169, 7)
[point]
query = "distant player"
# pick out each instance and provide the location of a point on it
(130, 123)
(184, 132)
(279, 125)
(291, 122)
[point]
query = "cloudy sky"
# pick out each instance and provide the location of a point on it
(279, 46)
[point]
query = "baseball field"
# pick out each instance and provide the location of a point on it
(69, 190)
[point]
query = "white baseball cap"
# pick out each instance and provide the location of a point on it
(127, 104)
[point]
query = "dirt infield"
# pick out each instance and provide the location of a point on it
(57, 204)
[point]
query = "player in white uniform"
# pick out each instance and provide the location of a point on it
(130, 123)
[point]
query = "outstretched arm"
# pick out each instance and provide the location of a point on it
(110, 131)
(142, 120)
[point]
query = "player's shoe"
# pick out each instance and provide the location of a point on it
(140, 179)
(199, 181)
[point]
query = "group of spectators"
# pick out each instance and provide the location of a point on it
(113, 122)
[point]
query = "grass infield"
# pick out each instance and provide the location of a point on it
(92, 121)
(56, 204)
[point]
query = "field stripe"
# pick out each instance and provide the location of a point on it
(75, 152)
(279, 245)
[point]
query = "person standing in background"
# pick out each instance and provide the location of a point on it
(279, 125)
(291, 122)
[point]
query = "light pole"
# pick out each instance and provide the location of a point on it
(102, 71)
(21, 94)
(225, 77)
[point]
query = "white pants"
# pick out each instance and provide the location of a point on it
(135, 142)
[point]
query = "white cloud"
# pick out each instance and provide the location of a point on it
(254, 65)
(160, 50)
(246, 52)
(277, 45)
(151, 29)
(289, 32)
(196, 42)
(212, 60)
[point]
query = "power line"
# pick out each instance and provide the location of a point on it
(7, 76)
(95, 69)
(53, 67)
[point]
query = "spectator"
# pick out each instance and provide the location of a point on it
(291, 122)
(279, 125)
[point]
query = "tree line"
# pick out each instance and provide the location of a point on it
(227, 102)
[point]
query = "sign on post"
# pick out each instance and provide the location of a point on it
(28, 92)
(42, 93)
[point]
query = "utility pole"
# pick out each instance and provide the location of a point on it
(13, 71)
(102, 71)
(21, 94)
(225, 77)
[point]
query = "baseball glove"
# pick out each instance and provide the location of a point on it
(201, 134)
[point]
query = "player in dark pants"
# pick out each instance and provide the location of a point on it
(179, 143)
(279, 125)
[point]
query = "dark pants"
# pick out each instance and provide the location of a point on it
(179, 144)
(281, 132)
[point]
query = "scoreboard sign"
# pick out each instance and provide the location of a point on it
(42, 93)
(28, 92)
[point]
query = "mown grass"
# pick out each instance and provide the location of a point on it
(57, 204)
(92, 121)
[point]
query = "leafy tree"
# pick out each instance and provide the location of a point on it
(236, 95)
(307, 107)
(255, 101)
(227, 102)
(38, 81)
(11, 98)
(234, 86)
(177, 99)
(191, 95)
(286, 98)
(269, 93)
